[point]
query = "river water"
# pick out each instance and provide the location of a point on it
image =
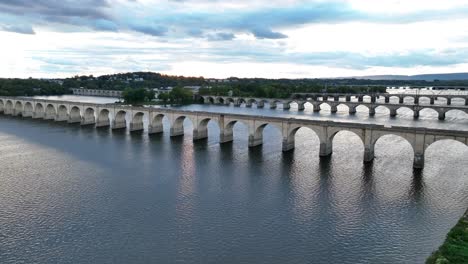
(72, 194)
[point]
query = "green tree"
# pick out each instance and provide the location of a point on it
(136, 96)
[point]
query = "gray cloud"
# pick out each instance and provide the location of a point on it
(267, 34)
(22, 29)
(220, 36)
(162, 19)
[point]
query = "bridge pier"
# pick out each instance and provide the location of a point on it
(248, 104)
(49, 116)
(401, 100)
(326, 149)
(36, 115)
(415, 113)
(119, 125)
(333, 108)
(288, 144)
(441, 115)
(300, 106)
(176, 131)
(102, 123)
(286, 106)
(431, 100)
(418, 162)
(449, 101)
(72, 119)
(273, 105)
(387, 99)
(336, 98)
(85, 122)
(136, 126)
(255, 140)
(466, 101)
(360, 99)
(317, 107)
(373, 99)
(372, 111)
(352, 110)
(200, 133)
(153, 129)
(348, 98)
(61, 118)
(225, 137)
(261, 104)
(393, 112)
(416, 100)
(368, 153)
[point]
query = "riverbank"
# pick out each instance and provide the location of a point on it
(455, 247)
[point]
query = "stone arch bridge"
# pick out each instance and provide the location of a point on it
(116, 116)
(374, 96)
(317, 105)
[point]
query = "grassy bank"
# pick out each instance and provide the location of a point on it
(455, 247)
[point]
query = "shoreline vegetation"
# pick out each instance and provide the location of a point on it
(249, 87)
(454, 250)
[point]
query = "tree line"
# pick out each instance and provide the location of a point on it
(30, 87)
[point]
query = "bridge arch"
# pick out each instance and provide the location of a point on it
(447, 147)
(39, 110)
(88, 116)
(430, 112)
(75, 115)
(241, 101)
(363, 108)
(256, 132)
(9, 107)
(28, 109)
(103, 118)
(326, 104)
(461, 98)
(404, 110)
(177, 125)
(332, 132)
(120, 120)
(137, 121)
(393, 99)
(211, 99)
(18, 108)
(230, 100)
(227, 132)
(410, 100)
(200, 129)
(50, 111)
(156, 124)
(290, 138)
(403, 144)
(456, 113)
(62, 113)
(382, 109)
(426, 99)
(220, 100)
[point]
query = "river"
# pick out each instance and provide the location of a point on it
(73, 194)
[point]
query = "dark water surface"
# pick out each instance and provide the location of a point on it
(72, 194)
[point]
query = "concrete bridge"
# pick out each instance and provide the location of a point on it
(317, 105)
(373, 97)
(116, 116)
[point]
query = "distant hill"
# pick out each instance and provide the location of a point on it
(423, 77)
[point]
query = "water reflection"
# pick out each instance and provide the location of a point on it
(73, 194)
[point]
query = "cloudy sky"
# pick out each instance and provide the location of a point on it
(244, 38)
